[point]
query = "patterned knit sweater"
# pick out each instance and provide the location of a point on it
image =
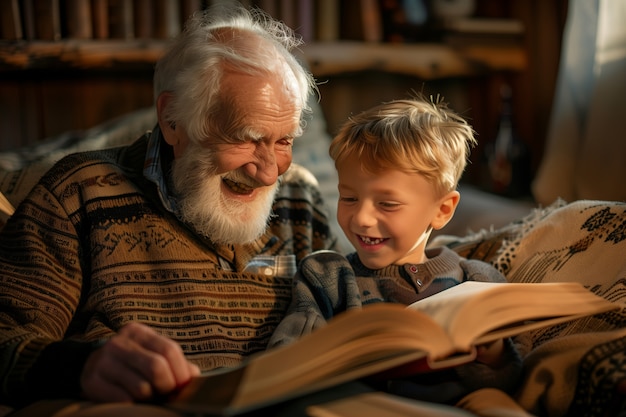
(92, 248)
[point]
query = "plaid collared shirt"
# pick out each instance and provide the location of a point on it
(153, 170)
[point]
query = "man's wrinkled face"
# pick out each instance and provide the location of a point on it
(226, 183)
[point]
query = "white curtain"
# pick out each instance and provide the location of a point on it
(585, 154)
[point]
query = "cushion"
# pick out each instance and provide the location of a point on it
(575, 368)
(581, 241)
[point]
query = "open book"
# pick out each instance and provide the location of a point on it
(439, 331)
(6, 209)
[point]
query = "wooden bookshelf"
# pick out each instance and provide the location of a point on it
(104, 76)
(423, 60)
(112, 54)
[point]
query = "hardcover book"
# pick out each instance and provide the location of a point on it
(434, 333)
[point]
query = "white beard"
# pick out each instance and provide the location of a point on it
(212, 214)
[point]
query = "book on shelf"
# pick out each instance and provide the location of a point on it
(287, 13)
(487, 26)
(121, 19)
(434, 333)
(371, 21)
(167, 19)
(144, 18)
(305, 20)
(100, 19)
(47, 19)
(326, 20)
(11, 23)
(28, 19)
(361, 20)
(78, 19)
(482, 31)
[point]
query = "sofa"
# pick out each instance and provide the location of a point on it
(574, 229)
(573, 369)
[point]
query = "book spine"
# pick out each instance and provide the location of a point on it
(327, 20)
(371, 21)
(28, 19)
(144, 18)
(100, 18)
(10, 20)
(121, 19)
(47, 20)
(78, 19)
(167, 19)
(287, 13)
(305, 20)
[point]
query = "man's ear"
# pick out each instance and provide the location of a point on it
(447, 206)
(172, 136)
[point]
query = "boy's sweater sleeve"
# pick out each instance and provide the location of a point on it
(476, 375)
(323, 286)
(476, 270)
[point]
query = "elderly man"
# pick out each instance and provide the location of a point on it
(127, 271)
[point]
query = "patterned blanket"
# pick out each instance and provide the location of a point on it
(578, 368)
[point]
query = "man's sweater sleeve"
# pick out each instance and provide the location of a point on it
(42, 283)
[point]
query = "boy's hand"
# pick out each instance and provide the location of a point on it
(490, 353)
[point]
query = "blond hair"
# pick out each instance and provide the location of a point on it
(412, 135)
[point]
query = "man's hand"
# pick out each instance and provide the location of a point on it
(135, 365)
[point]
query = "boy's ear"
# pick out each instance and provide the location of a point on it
(447, 207)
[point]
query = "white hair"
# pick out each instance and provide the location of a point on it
(249, 41)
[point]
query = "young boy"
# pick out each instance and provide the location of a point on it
(398, 165)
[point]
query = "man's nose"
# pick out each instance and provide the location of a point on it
(263, 168)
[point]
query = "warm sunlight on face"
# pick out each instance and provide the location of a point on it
(386, 216)
(226, 185)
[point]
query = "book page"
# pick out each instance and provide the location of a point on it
(472, 310)
(5, 206)
(353, 344)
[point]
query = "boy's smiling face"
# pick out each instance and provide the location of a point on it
(387, 216)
